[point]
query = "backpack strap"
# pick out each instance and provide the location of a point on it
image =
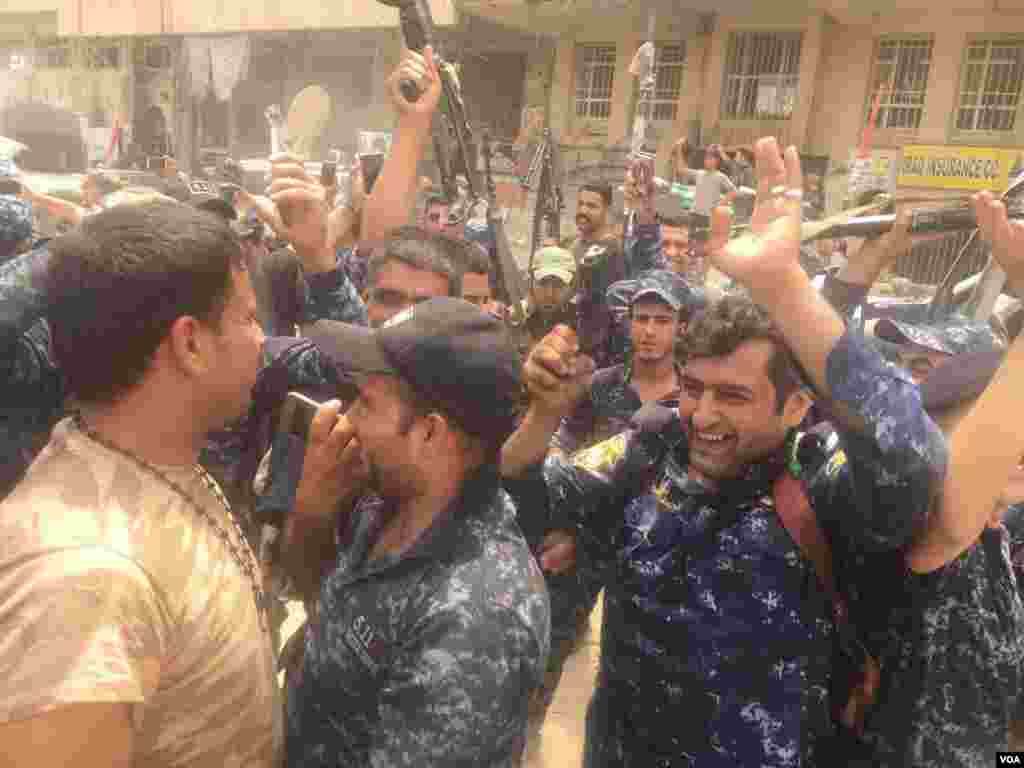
(798, 517)
(795, 512)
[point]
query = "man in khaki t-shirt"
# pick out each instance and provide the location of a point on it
(112, 589)
(131, 626)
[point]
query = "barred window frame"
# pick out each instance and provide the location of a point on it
(761, 75)
(989, 103)
(595, 80)
(903, 65)
(669, 71)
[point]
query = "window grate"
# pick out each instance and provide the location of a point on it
(669, 66)
(990, 86)
(762, 71)
(595, 75)
(901, 73)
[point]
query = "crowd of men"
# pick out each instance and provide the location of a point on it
(801, 526)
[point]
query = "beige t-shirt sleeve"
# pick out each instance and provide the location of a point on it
(77, 625)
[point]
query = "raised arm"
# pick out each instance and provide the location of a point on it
(393, 198)
(63, 210)
(880, 486)
(986, 445)
(557, 378)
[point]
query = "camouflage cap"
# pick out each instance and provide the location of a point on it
(953, 335)
(553, 261)
(661, 284)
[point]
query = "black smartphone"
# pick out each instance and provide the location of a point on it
(297, 415)
(329, 174)
(371, 165)
(10, 187)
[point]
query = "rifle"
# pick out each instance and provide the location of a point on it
(417, 25)
(547, 208)
(508, 273)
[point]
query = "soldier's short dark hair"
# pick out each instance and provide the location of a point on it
(419, 249)
(117, 284)
(601, 188)
(681, 221)
(731, 322)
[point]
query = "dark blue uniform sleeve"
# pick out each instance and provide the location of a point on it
(845, 298)
(332, 296)
(643, 249)
(22, 305)
(575, 428)
(877, 477)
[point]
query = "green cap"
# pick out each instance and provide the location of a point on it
(553, 261)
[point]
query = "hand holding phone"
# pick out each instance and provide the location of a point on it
(333, 468)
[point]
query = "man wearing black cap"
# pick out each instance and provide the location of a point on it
(433, 627)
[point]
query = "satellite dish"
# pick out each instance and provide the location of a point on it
(307, 121)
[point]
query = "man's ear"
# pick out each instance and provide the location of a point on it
(189, 346)
(795, 409)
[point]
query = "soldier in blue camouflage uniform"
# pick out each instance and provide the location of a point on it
(610, 404)
(433, 627)
(952, 644)
(31, 387)
(717, 642)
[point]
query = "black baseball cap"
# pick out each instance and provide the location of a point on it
(458, 359)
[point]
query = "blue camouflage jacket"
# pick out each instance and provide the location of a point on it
(716, 640)
(32, 388)
(428, 657)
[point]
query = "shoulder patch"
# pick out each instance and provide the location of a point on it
(837, 462)
(603, 456)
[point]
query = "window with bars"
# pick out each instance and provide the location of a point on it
(53, 57)
(762, 71)
(901, 74)
(103, 57)
(669, 65)
(990, 85)
(595, 74)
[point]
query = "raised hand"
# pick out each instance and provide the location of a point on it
(302, 202)
(1006, 237)
(768, 254)
(556, 375)
(422, 70)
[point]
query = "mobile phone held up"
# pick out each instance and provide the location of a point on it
(10, 186)
(297, 415)
(371, 165)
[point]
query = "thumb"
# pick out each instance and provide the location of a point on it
(721, 228)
